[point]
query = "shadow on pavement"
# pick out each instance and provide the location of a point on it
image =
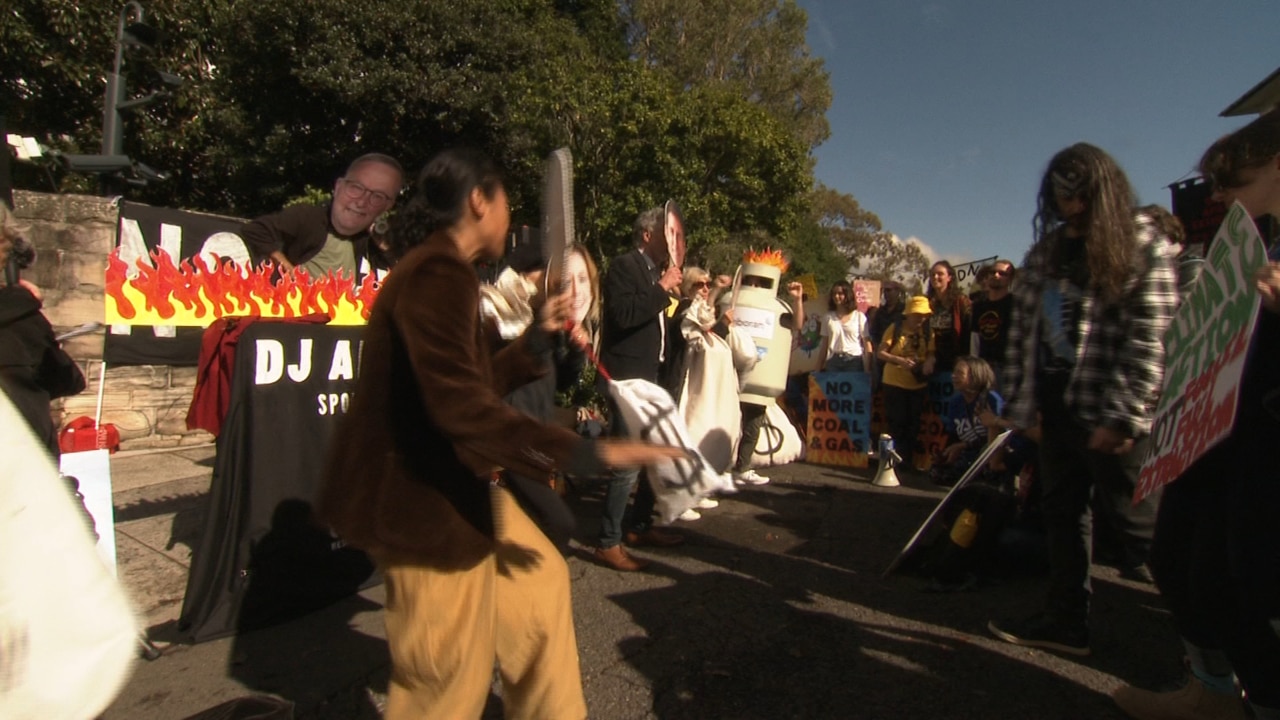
(810, 630)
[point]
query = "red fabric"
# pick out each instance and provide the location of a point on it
(212, 396)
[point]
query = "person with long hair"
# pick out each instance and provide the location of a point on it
(949, 321)
(470, 579)
(1216, 553)
(846, 340)
(1085, 349)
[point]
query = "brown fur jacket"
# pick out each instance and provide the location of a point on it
(409, 471)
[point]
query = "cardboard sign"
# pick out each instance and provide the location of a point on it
(839, 419)
(92, 471)
(933, 433)
(1205, 350)
(866, 293)
(806, 343)
(810, 285)
(964, 271)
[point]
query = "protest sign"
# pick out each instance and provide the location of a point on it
(839, 419)
(1205, 350)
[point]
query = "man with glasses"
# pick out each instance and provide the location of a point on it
(990, 320)
(333, 237)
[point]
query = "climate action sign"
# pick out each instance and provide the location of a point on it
(1205, 351)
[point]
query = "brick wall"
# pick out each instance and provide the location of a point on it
(73, 235)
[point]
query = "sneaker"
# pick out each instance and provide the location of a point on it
(1192, 700)
(1138, 573)
(750, 477)
(707, 503)
(1042, 631)
(689, 514)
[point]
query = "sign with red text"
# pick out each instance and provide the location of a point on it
(1205, 350)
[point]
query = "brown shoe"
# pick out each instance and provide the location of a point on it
(618, 558)
(653, 537)
(1192, 701)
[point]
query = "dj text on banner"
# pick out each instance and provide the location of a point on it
(839, 419)
(262, 559)
(1205, 351)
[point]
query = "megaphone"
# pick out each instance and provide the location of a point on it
(889, 457)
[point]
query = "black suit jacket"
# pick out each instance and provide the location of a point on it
(631, 334)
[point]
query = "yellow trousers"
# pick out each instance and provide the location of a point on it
(446, 628)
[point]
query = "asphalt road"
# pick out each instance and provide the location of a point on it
(773, 609)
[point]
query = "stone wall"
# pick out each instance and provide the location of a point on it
(73, 235)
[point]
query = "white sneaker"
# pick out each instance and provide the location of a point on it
(689, 514)
(707, 503)
(750, 477)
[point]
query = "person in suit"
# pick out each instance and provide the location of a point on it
(639, 288)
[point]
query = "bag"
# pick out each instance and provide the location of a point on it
(779, 442)
(650, 415)
(743, 346)
(83, 434)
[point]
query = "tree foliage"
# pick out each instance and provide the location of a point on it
(756, 47)
(715, 103)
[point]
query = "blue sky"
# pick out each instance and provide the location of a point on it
(946, 112)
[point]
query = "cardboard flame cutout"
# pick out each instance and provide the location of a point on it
(767, 257)
(193, 294)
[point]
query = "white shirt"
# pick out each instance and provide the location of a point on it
(844, 338)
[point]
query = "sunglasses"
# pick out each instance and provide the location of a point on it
(702, 284)
(1001, 273)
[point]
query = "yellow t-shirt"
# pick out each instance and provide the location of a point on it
(917, 345)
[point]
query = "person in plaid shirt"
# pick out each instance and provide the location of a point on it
(1085, 349)
(1216, 553)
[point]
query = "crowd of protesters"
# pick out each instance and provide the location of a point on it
(1068, 354)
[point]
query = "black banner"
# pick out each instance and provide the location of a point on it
(143, 229)
(262, 558)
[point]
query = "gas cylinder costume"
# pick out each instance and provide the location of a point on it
(469, 577)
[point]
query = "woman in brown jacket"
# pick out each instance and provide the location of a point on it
(469, 576)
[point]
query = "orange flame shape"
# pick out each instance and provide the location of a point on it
(192, 293)
(767, 256)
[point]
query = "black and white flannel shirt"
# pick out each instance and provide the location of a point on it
(1119, 364)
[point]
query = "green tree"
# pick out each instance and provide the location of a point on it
(280, 95)
(756, 47)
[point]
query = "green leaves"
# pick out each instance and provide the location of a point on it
(715, 103)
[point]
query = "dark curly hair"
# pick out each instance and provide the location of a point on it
(831, 295)
(440, 194)
(1252, 146)
(1111, 238)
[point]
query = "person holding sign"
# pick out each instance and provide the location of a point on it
(1096, 292)
(907, 353)
(1216, 553)
(846, 343)
(470, 579)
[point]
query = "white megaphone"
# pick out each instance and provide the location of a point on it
(885, 476)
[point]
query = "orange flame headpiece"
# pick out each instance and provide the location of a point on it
(768, 256)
